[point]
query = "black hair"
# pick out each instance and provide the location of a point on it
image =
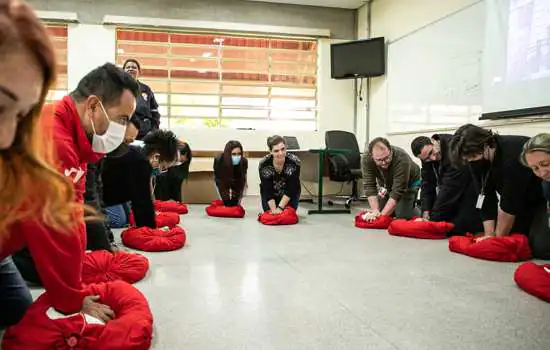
(274, 140)
(134, 120)
(419, 143)
(185, 150)
(381, 140)
(470, 140)
(133, 60)
(107, 82)
(163, 142)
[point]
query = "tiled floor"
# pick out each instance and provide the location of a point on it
(326, 285)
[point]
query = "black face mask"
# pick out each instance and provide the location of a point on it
(480, 166)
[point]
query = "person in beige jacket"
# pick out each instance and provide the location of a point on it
(391, 180)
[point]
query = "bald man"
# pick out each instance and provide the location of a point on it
(391, 180)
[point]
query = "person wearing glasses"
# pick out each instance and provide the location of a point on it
(447, 192)
(280, 177)
(391, 180)
(495, 162)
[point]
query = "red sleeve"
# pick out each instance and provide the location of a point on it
(58, 258)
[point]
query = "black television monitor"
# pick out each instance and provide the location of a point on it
(358, 59)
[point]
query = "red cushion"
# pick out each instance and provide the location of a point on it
(103, 266)
(512, 248)
(162, 219)
(154, 240)
(132, 328)
(419, 229)
(217, 209)
(171, 207)
(534, 279)
(382, 222)
(287, 217)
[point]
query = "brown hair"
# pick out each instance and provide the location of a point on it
(470, 140)
(30, 187)
(377, 140)
(274, 140)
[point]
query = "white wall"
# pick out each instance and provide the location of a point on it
(394, 19)
(91, 45)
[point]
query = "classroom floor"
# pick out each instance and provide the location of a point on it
(324, 284)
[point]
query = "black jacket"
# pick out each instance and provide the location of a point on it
(237, 189)
(451, 181)
(146, 111)
(128, 179)
(168, 184)
(275, 185)
(519, 189)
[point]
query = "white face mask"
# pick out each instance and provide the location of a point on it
(113, 137)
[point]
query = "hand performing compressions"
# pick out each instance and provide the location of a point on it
(370, 216)
(276, 211)
(90, 306)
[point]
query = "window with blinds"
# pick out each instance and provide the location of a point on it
(226, 81)
(58, 34)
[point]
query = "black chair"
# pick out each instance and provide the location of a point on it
(291, 143)
(344, 167)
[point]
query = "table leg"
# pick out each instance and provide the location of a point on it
(320, 178)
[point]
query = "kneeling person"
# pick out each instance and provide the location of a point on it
(447, 192)
(391, 180)
(230, 170)
(129, 178)
(280, 177)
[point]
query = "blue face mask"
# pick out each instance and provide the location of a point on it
(236, 160)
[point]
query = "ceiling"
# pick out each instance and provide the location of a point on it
(346, 4)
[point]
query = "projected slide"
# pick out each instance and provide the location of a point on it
(528, 55)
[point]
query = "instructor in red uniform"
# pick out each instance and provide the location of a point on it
(38, 209)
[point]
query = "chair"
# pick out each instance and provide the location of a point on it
(344, 167)
(291, 143)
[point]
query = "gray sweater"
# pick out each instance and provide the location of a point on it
(397, 179)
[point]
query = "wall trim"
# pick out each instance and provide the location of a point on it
(58, 16)
(215, 26)
(484, 124)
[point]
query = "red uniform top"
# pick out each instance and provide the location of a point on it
(58, 255)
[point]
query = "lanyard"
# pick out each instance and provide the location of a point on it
(484, 180)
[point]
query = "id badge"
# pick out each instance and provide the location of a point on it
(382, 192)
(480, 200)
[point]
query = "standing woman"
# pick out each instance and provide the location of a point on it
(536, 156)
(168, 184)
(146, 105)
(280, 177)
(230, 169)
(37, 206)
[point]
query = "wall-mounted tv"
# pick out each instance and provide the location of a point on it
(358, 59)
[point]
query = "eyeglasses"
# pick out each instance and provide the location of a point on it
(385, 160)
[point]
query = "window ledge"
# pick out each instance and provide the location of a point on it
(215, 26)
(58, 16)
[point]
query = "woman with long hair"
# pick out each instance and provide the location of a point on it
(230, 169)
(33, 194)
